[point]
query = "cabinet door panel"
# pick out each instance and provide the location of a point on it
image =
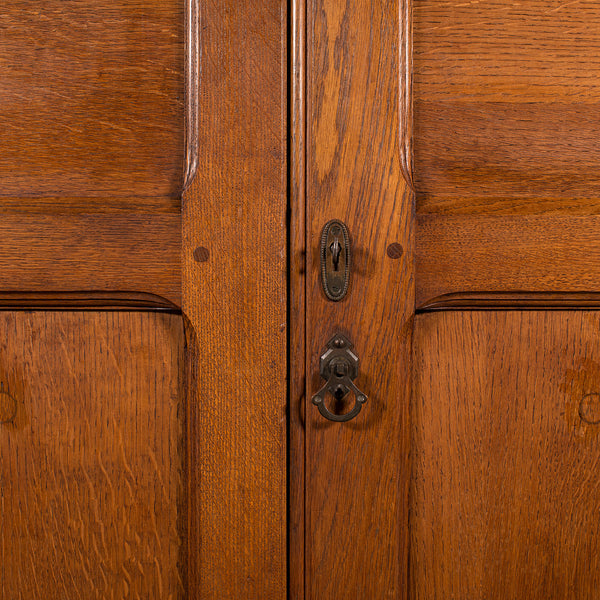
(128, 182)
(92, 98)
(92, 469)
(506, 106)
(505, 438)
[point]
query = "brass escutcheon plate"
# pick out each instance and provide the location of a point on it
(335, 260)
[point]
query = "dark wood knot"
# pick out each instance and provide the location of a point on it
(8, 407)
(589, 408)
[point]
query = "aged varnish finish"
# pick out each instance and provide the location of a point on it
(505, 496)
(142, 219)
(93, 497)
(493, 119)
(167, 171)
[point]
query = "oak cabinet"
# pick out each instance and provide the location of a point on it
(167, 171)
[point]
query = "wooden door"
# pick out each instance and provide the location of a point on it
(142, 299)
(459, 144)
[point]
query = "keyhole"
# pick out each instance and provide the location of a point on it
(338, 394)
(340, 400)
(336, 249)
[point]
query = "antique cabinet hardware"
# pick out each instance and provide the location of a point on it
(335, 259)
(339, 367)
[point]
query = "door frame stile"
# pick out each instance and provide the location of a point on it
(297, 301)
(235, 299)
(351, 84)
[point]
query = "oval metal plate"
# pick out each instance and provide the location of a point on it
(335, 260)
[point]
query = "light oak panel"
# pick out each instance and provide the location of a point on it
(506, 100)
(92, 98)
(484, 253)
(505, 497)
(92, 501)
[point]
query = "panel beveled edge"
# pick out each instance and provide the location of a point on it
(512, 301)
(192, 84)
(86, 301)
(405, 95)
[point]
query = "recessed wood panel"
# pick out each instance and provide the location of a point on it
(458, 253)
(92, 251)
(92, 497)
(506, 99)
(506, 449)
(484, 253)
(91, 97)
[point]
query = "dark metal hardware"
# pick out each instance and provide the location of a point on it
(335, 259)
(339, 367)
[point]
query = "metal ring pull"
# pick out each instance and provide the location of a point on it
(339, 366)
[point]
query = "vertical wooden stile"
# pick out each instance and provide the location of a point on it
(234, 297)
(297, 300)
(358, 170)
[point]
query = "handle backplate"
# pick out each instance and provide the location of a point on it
(339, 367)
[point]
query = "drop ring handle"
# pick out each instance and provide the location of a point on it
(339, 367)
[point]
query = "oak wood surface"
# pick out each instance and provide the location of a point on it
(505, 169)
(297, 305)
(356, 498)
(92, 98)
(537, 253)
(505, 498)
(95, 159)
(92, 137)
(235, 303)
(92, 470)
(506, 100)
(513, 301)
(103, 251)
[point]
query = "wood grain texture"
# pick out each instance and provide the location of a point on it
(357, 473)
(506, 100)
(92, 98)
(505, 497)
(513, 301)
(472, 253)
(55, 251)
(105, 301)
(192, 89)
(236, 303)
(92, 499)
(297, 306)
